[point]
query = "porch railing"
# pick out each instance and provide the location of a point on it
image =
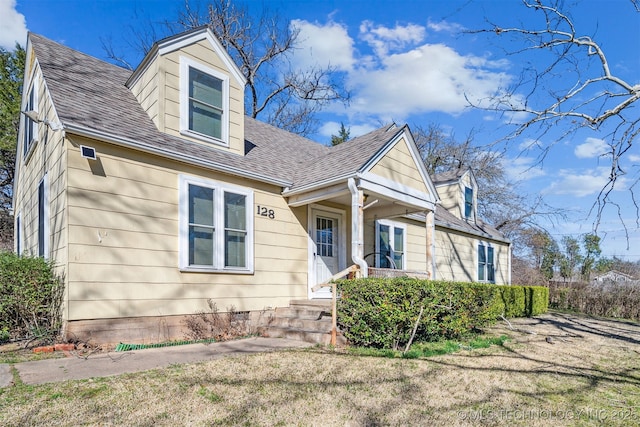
(390, 272)
(330, 282)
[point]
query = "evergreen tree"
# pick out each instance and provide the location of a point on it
(343, 136)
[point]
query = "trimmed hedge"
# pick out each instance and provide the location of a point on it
(30, 297)
(382, 313)
(522, 301)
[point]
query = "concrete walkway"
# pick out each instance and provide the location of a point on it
(116, 363)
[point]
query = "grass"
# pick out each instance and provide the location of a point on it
(438, 348)
(590, 375)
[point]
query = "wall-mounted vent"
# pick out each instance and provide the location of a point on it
(88, 152)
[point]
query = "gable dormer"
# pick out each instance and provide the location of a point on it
(191, 88)
(458, 191)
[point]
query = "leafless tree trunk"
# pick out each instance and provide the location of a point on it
(575, 88)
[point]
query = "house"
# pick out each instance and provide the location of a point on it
(613, 276)
(153, 192)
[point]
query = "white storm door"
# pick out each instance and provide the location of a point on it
(326, 239)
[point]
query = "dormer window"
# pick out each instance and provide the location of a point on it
(468, 203)
(204, 102)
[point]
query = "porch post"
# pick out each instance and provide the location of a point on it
(357, 227)
(430, 243)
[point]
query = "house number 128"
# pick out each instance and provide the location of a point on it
(269, 213)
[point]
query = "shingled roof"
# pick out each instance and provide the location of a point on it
(446, 219)
(91, 94)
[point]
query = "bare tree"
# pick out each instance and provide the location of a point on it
(499, 200)
(575, 89)
(262, 47)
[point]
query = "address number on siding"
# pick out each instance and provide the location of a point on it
(264, 211)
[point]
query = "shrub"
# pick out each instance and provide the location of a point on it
(523, 301)
(213, 324)
(609, 300)
(382, 313)
(31, 295)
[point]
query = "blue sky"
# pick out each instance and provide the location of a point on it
(407, 61)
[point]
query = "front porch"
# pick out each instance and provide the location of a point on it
(381, 227)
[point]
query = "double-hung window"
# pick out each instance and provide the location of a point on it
(468, 202)
(204, 102)
(216, 226)
(30, 126)
(390, 244)
(486, 264)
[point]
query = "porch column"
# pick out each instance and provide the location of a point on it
(430, 244)
(357, 227)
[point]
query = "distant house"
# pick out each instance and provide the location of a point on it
(614, 276)
(153, 192)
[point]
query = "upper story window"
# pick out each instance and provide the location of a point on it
(390, 244)
(468, 203)
(216, 226)
(30, 126)
(203, 102)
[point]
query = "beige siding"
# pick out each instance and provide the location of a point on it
(47, 157)
(146, 91)
(204, 54)
(398, 165)
(124, 245)
(415, 252)
(456, 257)
(452, 197)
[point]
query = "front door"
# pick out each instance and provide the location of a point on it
(327, 248)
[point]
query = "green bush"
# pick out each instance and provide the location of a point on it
(523, 301)
(382, 313)
(30, 297)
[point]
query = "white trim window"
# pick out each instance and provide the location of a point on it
(216, 226)
(391, 243)
(486, 263)
(204, 102)
(468, 202)
(30, 132)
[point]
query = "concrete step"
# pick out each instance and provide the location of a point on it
(314, 304)
(301, 313)
(316, 337)
(321, 325)
(303, 320)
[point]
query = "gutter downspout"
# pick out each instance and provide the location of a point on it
(357, 228)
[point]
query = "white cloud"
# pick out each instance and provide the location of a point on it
(593, 147)
(403, 76)
(332, 128)
(584, 183)
(13, 27)
(530, 144)
(444, 26)
(634, 158)
(432, 77)
(323, 45)
(522, 168)
(384, 39)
